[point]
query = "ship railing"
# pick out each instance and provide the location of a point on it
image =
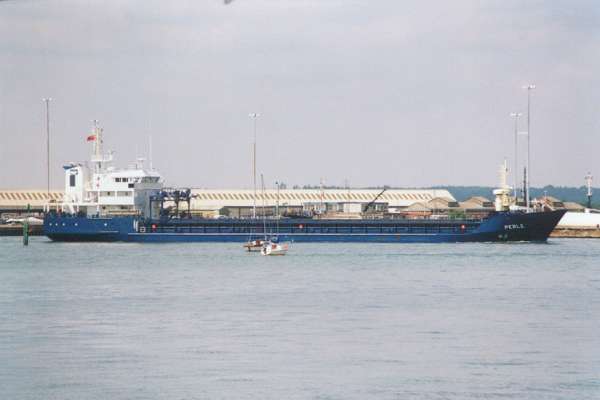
(305, 226)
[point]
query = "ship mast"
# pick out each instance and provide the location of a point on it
(502, 194)
(254, 116)
(97, 156)
(588, 181)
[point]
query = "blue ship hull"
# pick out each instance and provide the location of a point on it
(500, 227)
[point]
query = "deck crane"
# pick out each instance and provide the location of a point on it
(372, 202)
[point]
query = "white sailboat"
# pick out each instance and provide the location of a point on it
(274, 249)
(254, 244)
(269, 246)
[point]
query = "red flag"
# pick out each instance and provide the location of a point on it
(91, 138)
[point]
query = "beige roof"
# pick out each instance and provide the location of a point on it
(551, 199)
(297, 197)
(22, 198)
(440, 203)
(477, 203)
(572, 206)
(479, 200)
(417, 207)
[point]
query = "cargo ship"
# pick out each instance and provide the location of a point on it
(105, 204)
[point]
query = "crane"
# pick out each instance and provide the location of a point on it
(366, 209)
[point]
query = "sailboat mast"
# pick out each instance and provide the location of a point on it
(254, 116)
(264, 215)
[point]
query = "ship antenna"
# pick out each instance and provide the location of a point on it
(588, 180)
(150, 152)
(97, 157)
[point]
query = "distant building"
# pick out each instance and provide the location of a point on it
(240, 203)
(19, 200)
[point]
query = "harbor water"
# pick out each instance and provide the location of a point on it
(327, 321)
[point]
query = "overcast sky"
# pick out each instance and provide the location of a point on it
(373, 92)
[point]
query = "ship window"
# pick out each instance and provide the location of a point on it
(130, 185)
(117, 179)
(72, 180)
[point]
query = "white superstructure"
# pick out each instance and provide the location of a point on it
(502, 193)
(98, 188)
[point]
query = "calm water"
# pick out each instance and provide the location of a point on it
(197, 321)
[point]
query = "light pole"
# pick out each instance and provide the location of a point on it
(277, 203)
(254, 116)
(47, 101)
(529, 88)
(516, 116)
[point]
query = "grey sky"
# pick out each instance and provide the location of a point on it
(375, 92)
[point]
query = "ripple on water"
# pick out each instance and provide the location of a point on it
(328, 321)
